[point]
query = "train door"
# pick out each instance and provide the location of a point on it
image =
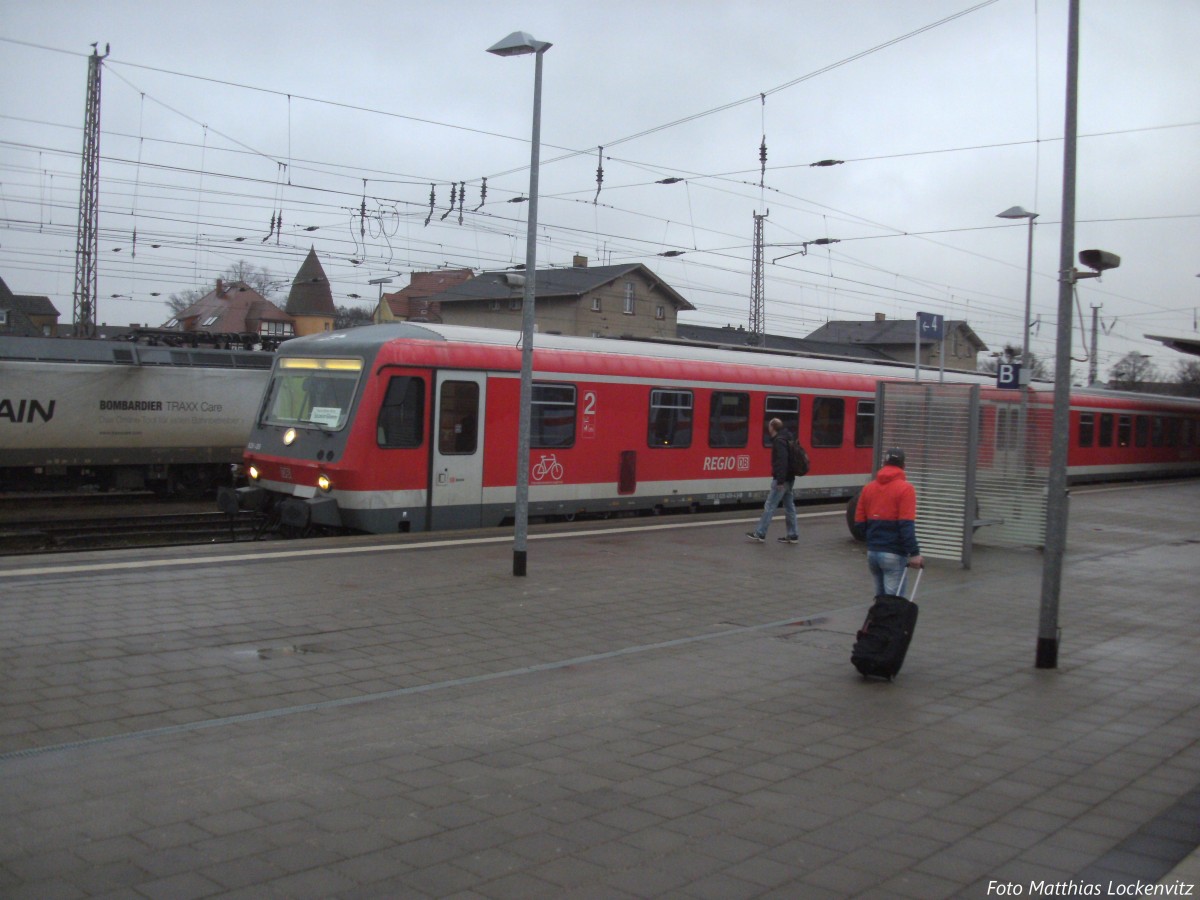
(456, 485)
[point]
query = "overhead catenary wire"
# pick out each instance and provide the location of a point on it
(697, 244)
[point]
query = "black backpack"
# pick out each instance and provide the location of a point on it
(797, 459)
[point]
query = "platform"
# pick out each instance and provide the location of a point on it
(663, 711)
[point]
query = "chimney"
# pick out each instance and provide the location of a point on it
(880, 317)
(220, 288)
(579, 262)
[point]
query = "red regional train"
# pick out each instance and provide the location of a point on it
(413, 427)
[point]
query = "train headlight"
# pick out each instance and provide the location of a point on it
(253, 472)
(289, 437)
(324, 483)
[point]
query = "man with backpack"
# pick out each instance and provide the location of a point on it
(783, 479)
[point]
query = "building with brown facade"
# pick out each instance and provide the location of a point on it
(600, 301)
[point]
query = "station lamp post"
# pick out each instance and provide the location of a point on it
(1017, 212)
(520, 43)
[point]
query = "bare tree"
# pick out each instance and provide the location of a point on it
(351, 317)
(1132, 370)
(1187, 371)
(181, 300)
(1039, 371)
(256, 277)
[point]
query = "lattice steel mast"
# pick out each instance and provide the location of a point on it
(758, 323)
(86, 246)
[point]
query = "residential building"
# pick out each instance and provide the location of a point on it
(601, 301)
(897, 339)
(411, 303)
(26, 315)
(730, 336)
(234, 308)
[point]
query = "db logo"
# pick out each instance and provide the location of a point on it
(726, 463)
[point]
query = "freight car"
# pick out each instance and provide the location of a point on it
(117, 415)
(414, 427)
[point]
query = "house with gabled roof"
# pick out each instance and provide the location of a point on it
(234, 308)
(741, 337)
(897, 339)
(411, 303)
(600, 301)
(27, 315)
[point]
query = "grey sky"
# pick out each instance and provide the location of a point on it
(217, 115)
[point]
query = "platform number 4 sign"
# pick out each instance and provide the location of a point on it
(930, 326)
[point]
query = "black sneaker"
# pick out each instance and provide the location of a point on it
(795, 539)
(755, 536)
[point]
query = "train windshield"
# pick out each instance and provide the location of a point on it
(315, 392)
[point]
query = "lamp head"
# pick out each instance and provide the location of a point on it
(518, 44)
(1017, 212)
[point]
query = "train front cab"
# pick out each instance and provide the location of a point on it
(299, 441)
(340, 447)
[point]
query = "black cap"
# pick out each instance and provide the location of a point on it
(893, 456)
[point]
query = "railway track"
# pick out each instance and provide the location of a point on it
(125, 531)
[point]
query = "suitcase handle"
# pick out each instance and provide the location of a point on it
(916, 584)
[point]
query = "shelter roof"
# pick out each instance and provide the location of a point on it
(1182, 344)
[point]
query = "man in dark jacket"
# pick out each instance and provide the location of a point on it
(783, 483)
(887, 510)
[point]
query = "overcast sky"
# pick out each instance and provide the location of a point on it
(217, 116)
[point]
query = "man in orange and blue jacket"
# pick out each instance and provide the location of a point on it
(887, 511)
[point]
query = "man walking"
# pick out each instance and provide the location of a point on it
(887, 509)
(783, 481)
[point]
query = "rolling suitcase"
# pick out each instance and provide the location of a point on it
(883, 640)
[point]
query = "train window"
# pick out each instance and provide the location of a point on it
(1156, 432)
(1141, 431)
(828, 418)
(458, 423)
(1087, 429)
(312, 391)
(1172, 426)
(1189, 432)
(1124, 431)
(786, 410)
(728, 419)
(402, 415)
(1106, 429)
(552, 422)
(864, 424)
(670, 419)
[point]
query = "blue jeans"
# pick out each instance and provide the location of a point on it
(779, 492)
(889, 570)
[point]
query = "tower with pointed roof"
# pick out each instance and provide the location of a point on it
(310, 302)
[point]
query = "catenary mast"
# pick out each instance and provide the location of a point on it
(86, 246)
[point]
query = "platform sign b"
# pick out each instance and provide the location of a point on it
(1008, 376)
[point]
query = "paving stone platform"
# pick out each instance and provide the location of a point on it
(664, 711)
